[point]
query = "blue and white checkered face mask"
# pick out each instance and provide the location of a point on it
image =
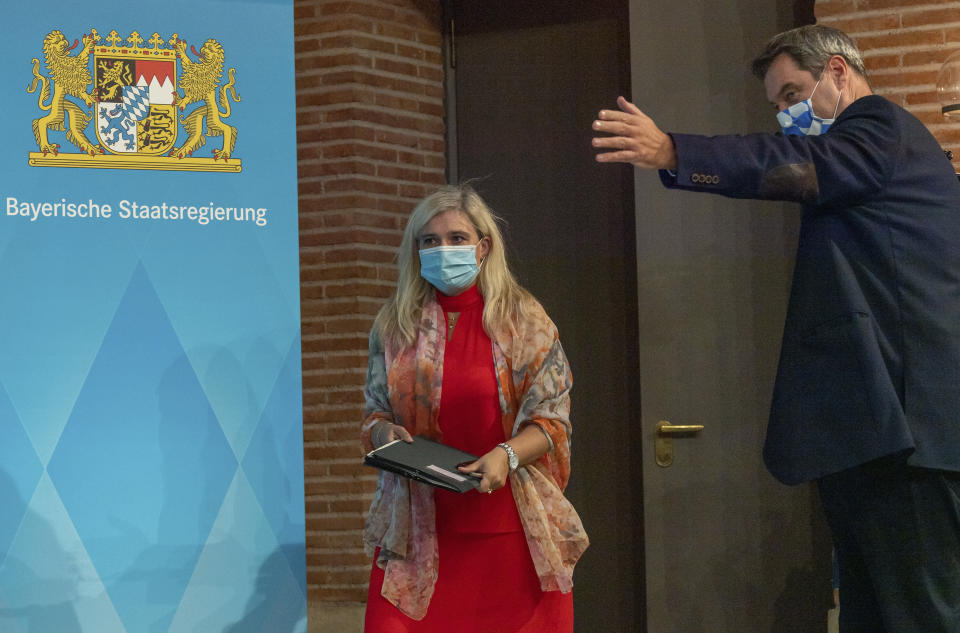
(799, 119)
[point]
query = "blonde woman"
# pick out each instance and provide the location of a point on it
(464, 355)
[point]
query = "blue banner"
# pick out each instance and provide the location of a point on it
(151, 448)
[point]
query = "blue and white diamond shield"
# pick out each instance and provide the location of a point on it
(117, 123)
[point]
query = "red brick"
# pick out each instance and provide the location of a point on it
(303, 12)
(344, 432)
(353, 506)
(335, 522)
(346, 22)
(394, 137)
(335, 451)
(349, 289)
(353, 359)
(397, 102)
(857, 24)
(337, 540)
(929, 118)
(432, 73)
(357, 325)
(327, 344)
(326, 273)
(356, 41)
(931, 17)
(366, 252)
(328, 593)
(325, 97)
(359, 184)
(950, 135)
(308, 188)
(353, 59)
(912, 97)
(305, 46)
(432, 109)
(338, 557)
(305, 118)
(828, 8)
(354, 468)
(418, 53)
(333, 24)
(901, 39)
(915, 78)
(397, 172)
(922, 58)
(393, 120)
(407, 69)
(870, 5)
(365, 219)
(340, 577)
(367, 9)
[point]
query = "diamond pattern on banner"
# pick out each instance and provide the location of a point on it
(48, 581)
(20, 470)
(243, 570)
(274, 475)
(239, 347)
(143, 464)
(69, 278)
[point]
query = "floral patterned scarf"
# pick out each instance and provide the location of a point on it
(403, 387)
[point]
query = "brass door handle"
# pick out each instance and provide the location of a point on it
(663, 444)
(665, 428)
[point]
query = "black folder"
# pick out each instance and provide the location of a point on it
(425, 461)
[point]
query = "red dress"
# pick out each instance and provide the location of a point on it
(486, 581)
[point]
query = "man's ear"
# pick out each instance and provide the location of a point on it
(838, 70)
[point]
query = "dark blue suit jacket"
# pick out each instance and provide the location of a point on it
(870, 360)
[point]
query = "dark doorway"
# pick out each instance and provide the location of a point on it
(711, 543)
(528, 80)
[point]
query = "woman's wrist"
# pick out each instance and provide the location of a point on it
(530, 444)
(380, 434)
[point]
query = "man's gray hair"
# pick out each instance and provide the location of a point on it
(811, 47)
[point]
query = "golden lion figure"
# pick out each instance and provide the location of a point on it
(69, 76)
(113, 77)
(199, 83)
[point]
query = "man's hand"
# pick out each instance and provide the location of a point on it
(634, 138)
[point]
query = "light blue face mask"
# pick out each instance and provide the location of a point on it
(449, 269)
(799, 119)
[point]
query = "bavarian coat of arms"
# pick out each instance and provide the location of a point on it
(150, 106)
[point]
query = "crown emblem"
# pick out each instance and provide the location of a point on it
(151, 107)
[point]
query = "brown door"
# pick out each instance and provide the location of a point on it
(669, 305)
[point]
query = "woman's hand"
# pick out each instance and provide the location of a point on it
(385, 432)
(493, 466)
(529, 444)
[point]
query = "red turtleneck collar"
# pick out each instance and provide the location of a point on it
(458, 303)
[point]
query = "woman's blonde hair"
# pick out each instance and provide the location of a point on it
(505, 300)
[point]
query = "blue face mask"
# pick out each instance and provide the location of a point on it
(799, 119)
(449, 269)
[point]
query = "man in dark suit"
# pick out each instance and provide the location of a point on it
(867, 395)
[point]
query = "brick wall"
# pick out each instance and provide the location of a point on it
(370, 141)
(904, 42)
